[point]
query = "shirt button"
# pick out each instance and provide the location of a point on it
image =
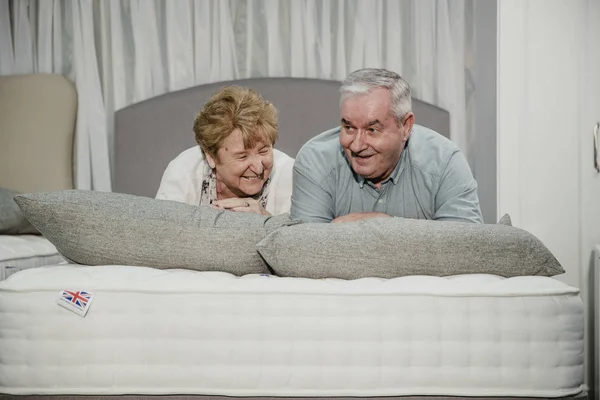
(381, 201)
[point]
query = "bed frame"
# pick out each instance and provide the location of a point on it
(582, 396)
(150, 134)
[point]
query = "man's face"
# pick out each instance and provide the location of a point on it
(370, 135)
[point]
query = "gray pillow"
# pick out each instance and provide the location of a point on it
(98, 228)
(12, 220)
(505, 220)
(393, 247)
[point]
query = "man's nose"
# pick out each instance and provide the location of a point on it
(358, 144)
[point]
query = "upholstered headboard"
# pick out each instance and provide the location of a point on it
(151, 133)
(37, 124)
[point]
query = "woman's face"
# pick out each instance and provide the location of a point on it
(241, 172)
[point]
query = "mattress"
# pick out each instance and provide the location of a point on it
(19, 252)
(150, 331)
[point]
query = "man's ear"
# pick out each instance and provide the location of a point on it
(211, 161)
(409, 121)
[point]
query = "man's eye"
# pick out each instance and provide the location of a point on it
(347, 127)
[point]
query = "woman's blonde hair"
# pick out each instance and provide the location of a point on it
(231, 108)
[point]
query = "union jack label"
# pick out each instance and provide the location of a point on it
(78, 302)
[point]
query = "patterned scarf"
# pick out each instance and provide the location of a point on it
(208, 193)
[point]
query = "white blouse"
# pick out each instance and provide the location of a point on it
(182, 180)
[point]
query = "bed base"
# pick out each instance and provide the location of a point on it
(580, 396)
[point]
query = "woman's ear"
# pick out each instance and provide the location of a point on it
(211, 161)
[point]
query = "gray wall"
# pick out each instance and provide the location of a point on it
(484, 160)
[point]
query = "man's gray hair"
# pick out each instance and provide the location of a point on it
(364, 80)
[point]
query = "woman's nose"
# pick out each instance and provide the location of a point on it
(256, 164)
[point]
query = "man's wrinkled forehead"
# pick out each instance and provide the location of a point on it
(366, 109)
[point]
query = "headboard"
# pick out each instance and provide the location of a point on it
(151, 133)
(37, 125)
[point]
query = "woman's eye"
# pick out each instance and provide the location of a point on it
(264, 151)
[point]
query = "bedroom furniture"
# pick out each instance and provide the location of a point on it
(151, 133)
(169, 332)
(19, 252)
(37, 123)
(177, 333)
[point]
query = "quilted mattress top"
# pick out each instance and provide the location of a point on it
(125, 278)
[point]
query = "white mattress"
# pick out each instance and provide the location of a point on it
(19, 252)
(184, 332)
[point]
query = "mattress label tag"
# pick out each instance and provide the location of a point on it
(78, 302)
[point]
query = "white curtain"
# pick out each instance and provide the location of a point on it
(122, 52)
(54, 36)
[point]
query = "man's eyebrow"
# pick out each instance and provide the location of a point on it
(345, 121)
(374, 122)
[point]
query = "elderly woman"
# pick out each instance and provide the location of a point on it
(235, 166)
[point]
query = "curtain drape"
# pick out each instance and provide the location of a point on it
(122, 52)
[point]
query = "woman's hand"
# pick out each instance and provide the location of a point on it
(248, 205)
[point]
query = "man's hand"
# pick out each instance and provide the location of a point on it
(352, 217)
(248, 205)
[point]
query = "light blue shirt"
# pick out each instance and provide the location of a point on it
(432, 180)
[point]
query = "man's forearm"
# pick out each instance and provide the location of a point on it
(360, 216)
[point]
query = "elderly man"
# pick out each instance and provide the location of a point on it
(378, 163)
